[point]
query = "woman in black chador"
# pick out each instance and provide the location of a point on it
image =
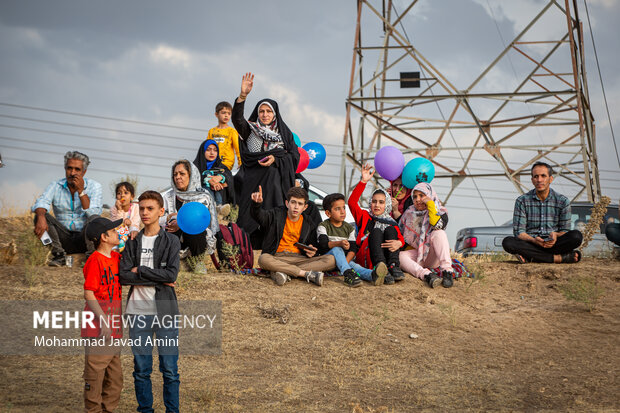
(269, 157)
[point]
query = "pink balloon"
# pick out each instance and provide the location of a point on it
(389, 162)
(304, 160)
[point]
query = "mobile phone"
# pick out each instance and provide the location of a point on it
(302, 246)
(265, 159)
(46, 239)
(546, 237)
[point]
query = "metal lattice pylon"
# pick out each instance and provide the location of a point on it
(544, 115)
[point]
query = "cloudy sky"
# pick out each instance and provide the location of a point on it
(134, 83)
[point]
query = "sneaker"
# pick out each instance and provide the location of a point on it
(448, 278)
(397, 273)
(389, 280)
(184, 253)
(315, 277)
(379, 273)
(279, 277)
(352, 279)
(58, 261)
(432, 279)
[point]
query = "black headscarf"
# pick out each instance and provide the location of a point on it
(228, 193)
(276, 179)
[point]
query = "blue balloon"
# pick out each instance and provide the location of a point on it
(316, 153)
(296, 139)
(418, 170)
(193, 218)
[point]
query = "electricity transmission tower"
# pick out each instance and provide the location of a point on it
(538, 110)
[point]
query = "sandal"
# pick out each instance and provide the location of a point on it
(569, 258)
(520, 259)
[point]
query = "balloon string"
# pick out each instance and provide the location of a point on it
(398, 193)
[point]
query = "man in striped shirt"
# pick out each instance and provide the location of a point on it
(541, 223)
(76, 201)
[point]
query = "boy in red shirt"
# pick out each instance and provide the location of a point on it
(102, 367)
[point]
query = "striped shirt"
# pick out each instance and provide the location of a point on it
(539, 218)
(67, 208)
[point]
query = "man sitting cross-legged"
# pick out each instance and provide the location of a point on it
(541, 223)
(289, 239)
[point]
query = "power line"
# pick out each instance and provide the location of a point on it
(105, 138)
(611, 126)
(162, 125)
(60, 154)
(113, 119)
(90, 168)
(166, 158)
(75, 125)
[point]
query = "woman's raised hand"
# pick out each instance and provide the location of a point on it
(247, 82)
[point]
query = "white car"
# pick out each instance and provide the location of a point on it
(316, 195)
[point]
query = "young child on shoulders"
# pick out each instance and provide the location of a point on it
(102, 291)
(337, 237)
(226, 137)
(128, 211)
(379, 239)
(290, 235)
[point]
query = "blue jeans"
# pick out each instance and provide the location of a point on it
(143, 328)
(342, 264)
(217, 196)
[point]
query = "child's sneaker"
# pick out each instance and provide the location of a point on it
(397, 273)
(352, 279)
(432, 279)
(389, 280)
(448, 278)
(379, 273)
(315, 277)
(279, 277)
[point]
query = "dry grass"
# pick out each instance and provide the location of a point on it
(515, 345)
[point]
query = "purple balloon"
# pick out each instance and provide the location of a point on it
(389, 162)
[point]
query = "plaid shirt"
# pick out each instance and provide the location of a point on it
(68, 209)
(536, 217)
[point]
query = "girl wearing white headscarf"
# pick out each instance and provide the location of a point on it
(423, 225)
(186, 187)
(379, 238)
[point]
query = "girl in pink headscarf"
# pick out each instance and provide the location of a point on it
(423, 226)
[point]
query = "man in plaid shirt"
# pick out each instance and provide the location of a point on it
(76, 201)
(541, 223)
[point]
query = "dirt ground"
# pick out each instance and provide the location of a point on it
(510, 342)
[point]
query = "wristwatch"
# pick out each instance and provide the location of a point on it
(81, 194)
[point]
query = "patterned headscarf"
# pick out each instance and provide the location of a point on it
(384, 220)
(415, 225)
(269, 134)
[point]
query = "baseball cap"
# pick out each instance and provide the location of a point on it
(100, 225)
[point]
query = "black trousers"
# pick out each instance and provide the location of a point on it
(65, 241)
(534, 253)
(378, 254)
(197, 243)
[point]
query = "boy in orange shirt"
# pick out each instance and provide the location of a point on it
(288, 249)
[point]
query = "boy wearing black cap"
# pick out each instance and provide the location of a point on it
(102, 367)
